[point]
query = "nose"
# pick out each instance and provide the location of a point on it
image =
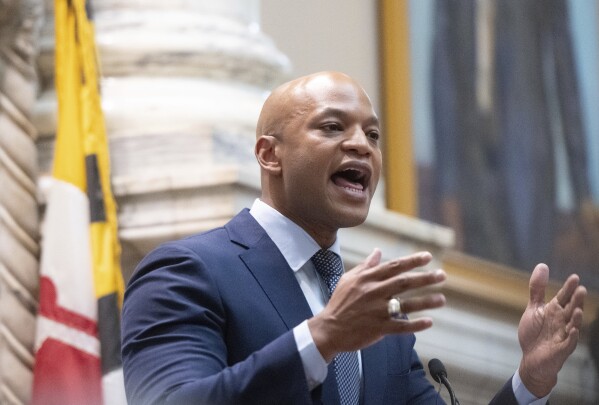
(357, 142)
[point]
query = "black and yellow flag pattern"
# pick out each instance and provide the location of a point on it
(81, 286)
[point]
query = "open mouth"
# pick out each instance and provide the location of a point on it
(354, 178)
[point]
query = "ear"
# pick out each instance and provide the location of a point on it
(266, 152)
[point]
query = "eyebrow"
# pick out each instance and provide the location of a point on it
(337, 112)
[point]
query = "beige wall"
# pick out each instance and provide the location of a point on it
(327, 35)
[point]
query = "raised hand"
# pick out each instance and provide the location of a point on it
(548, 332)
(356, 315)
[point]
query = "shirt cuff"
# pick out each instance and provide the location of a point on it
(523, 395)
(315, 367)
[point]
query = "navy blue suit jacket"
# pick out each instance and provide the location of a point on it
(208, 320)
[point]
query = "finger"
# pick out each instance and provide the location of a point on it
(405, 282)
(575, 320)
(401, 265)
(414, 304)
(579, 297)
(565, 293)
(538, 284)
(576, 302)
(407, 325)
(373, 260)
(571, 341)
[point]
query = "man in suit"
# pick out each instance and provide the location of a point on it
(258, 312)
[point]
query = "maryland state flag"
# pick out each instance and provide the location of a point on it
(78, 335)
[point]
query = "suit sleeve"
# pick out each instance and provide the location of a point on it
(505, 396)
(173, 342)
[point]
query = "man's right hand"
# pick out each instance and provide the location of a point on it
(356, 315)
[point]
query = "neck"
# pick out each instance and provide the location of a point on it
(324, 237)
(325, 241)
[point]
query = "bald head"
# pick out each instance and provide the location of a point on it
(294, 98)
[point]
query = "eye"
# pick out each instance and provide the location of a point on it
(373, 135)
(332, 127)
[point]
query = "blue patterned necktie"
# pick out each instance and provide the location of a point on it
(347, 372)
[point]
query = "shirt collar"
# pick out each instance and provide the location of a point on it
(294, 243)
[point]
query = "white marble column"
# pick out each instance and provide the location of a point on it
(182, 85)
(19, 25)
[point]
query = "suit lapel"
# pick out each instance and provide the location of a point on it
(276, 278)
(270, 269)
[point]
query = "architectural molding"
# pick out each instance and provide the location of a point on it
(19, 235)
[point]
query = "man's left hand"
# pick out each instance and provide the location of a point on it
(548, 332)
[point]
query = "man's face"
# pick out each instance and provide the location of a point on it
(330, 155)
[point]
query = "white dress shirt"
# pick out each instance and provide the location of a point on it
(297, 247)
